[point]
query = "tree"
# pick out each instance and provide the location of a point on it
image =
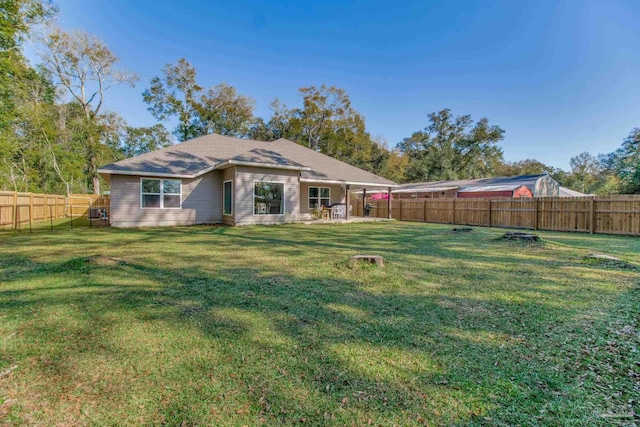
(278, 126)
(452, 148)
(321, 109)
(86, 68)
(626, 163)
(584, 172)
(222, 110)
(137, 141)
(525, 167)
(327, 123)
(395, 166)
(177, 94)
(16, 19)
(25, 98)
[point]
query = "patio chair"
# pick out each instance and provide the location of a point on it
(317, 212)
(339, 212)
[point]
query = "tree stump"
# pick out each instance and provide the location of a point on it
(519, 235)
(372, 259)
(462, 230)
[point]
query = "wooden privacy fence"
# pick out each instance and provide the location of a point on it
(605, 215)
(28, 208)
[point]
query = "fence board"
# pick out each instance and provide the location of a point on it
(618, 214)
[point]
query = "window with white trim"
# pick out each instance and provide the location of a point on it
(268, 198)
(319, 196)
(160, 193)
(227, 197)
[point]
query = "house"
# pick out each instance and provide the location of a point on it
(516, 186)
(220, 179)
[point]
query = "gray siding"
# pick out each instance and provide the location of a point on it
(245, 178)
(201, 203)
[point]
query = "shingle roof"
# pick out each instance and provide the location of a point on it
(468, 184)
(196, 156)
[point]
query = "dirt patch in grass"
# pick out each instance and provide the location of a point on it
(612, 263)
(101, 260)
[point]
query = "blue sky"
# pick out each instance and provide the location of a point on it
(561, 77)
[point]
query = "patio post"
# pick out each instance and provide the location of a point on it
(364, 200)
(348, 202)
(389, 202)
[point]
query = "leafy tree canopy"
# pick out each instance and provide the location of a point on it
(452, 148)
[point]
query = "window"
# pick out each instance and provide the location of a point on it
(268, 198)
(227, 196)
(160, 193)
(319, 196)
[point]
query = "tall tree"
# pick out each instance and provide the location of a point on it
(626, 163)
(321, 109)
(137, 141)
(177, 94)
(584, 172)
(278, 126)
(452, 148)
(327, 123)
(524, 167)
(222, 110)
(86, 68)
(25, 96)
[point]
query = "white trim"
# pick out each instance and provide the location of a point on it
(161, 194)
(232, 194)
(284, 192)
(319, 198)
(330, 181)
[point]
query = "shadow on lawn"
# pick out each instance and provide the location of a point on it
(306, 347)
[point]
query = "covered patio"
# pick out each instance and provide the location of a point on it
(323, 205)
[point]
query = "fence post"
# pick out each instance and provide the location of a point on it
(489, 215)
(30, 210)
(591, 215)
(453, 211)
(401, 203)
(51, 217)
(15, 210)
(424, 213)
(535, 213)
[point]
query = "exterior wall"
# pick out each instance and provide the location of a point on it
(523, 191)
(201, 203)
(546, 187)
(244, 193)
(229, 174)
(337, 195)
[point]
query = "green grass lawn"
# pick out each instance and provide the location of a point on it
(270, 326)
